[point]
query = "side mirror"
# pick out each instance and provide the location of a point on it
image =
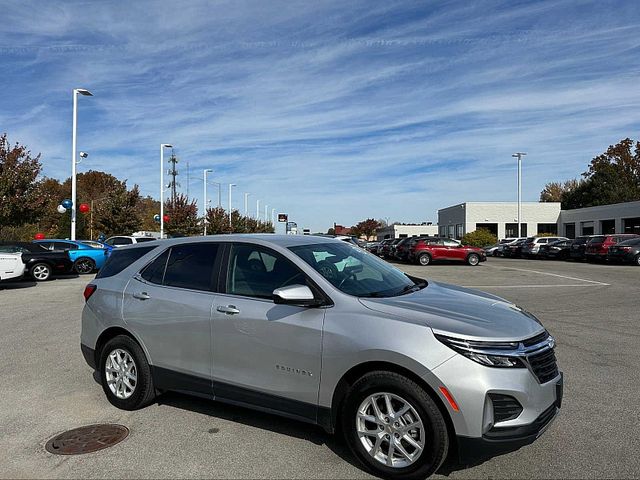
(299, 295)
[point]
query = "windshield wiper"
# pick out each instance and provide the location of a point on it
(411, 288)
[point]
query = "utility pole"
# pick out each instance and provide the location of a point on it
(173, 171)
(519, 156)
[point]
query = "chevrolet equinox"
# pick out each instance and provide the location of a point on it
(321, 331)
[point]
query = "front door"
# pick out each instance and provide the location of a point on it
(264, 354)
(168, 305)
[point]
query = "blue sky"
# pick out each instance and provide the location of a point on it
(330, 111)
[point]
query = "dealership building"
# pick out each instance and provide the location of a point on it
(407, 230)
(501, 218)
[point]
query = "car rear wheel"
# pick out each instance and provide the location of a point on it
(473, 259)
(84, 265)
(394, 427)
(637, 260)
(424, 259)
(125, 374)
(41, 272)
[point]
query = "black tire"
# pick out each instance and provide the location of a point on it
(637, 260)
(41, 272)
(424, 259)
(473, 259)
(436, 434)
(144, 391)
(84, 265)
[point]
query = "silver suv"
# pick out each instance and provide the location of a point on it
(318, 330)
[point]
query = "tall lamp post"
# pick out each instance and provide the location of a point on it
(519, 156)
(273, 219)
(266, 208)
(230, 185)
(204, 201)
(86, 93)
(258, 210)
(162, 147)
(246, 204)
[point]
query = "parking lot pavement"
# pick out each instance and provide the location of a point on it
(592, 310)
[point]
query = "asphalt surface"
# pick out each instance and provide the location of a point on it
(592, 310)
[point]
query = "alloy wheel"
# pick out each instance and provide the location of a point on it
(390, 430)
(424, 259)
(473, 259)
(41, 272)
(84, 266)
(121, 373)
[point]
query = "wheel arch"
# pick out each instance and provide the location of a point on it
(113, 332)
(353, 374)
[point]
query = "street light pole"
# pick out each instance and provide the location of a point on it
(258, 210)
(162, 147)
(246, 204)
(266, 207)
(273, 219)
(519, 156)
(86, 93)
(204, 200)
(230, 185)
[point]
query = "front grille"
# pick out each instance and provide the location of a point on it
(505, 407)
(544, 365)
(535, 340)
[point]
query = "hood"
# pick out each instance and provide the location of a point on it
(454, 310)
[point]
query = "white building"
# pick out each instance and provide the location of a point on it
(500, 218)
(409, 230)
(603, 219)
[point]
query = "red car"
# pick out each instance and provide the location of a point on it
(598, 246)
(427, 250)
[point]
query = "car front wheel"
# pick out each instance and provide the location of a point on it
(125, 374)
(473, 259)
(84, 266)
(394, 427)
(41, 272)
(637, 260)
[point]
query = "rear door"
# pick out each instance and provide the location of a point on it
(264, 354)
(453, 250)
(168, 305)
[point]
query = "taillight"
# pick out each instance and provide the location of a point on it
(88, 291)
(626, 249)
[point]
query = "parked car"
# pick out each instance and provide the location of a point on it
(122, 240)
(40, 263)
(597, 247)
(405, 369)
(388, 250)
(401, 251)
(492, 250)
(555, 250)
(504, 244)
(11, 266)
(434, 249)
(96, 244)
(86, 259)
(531, 246)
(372, 247)
(513, 250)
(383, 244)
(626, 252)
(577, 250)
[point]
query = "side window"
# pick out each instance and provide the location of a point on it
(255, 271)
(122, 241)
(450, 243)
(121, 259)
(110, 241)
(190, 265)
(154, 272)
(67, 245)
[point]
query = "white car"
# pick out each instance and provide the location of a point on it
(122, 240)
(11, 266)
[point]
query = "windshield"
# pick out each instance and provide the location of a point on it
(354, 271)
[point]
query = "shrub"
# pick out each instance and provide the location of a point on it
(479, 238)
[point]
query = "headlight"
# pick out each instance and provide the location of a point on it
(490, 354)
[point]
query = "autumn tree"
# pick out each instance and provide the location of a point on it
(20, 190)
(367, 228)
(117, 214)
(147, 208)
(554, 191)
(183, 216)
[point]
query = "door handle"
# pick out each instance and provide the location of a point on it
(141, 296)
(229, 309)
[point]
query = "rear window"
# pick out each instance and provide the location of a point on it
(597, 239)
(145, 239)
(121, 259)
(191, 266)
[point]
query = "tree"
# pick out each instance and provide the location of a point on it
(183, 216)
(147, 208)
(555, 191)
(217, 221)
(117, 214)
(479, 238)
(20, 190)
(366, 228)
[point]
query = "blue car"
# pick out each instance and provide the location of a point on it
(85, 258)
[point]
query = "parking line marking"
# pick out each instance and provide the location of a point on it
(531, 286)
(554, 275)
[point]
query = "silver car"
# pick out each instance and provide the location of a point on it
(321, 331)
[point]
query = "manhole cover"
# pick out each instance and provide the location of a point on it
(86, 439)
